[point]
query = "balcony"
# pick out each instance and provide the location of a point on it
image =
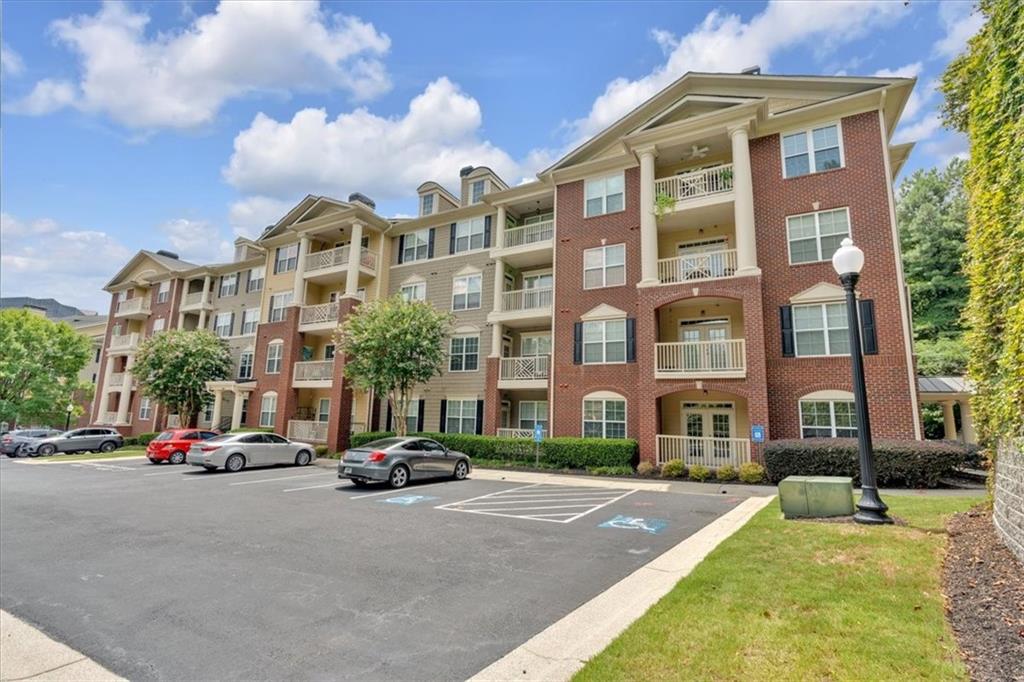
(705, 451)
(307, 431)
(133, 308)
(528, 245)
(313, 374)
(331, 265)
(108, 418)
(725, 359)
(116, 380)
(196, 301)
(697, 188)
(518, 433)
(524, 307)
(320, 318)
(123, 343)
(524, 372)
(697, 267)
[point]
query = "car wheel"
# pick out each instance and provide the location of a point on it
(461, 470)
(46, 450)
(303, 458)
(109, 446)
(177, 457)
(399, 476)
(235, 462)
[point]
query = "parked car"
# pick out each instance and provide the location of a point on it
(90, 439)
(400, 460)
(13, 442)
(173, 445)
(235, 451)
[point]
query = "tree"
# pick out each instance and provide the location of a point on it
(391, 346)
(984, 98)
(173, 367)
(39, 365)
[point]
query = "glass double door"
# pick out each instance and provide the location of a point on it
(704, 356)
(710, 428)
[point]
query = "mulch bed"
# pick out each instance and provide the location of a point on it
(984, 586)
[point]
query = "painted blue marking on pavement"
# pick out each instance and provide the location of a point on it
(406, 500)
(652, 526)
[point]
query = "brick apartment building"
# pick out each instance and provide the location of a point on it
(670, 280)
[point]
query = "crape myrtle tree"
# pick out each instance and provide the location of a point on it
(172, 368)
(39, 365)
(391, 346)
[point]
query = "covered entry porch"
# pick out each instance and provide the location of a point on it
(703, 427)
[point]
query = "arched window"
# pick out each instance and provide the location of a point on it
(828, 414)
(604, 415)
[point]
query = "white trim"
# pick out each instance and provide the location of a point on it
(468, 292)
(463, 354)
(413, 279)
(822, 292)
(603, 312)
(604, 397)
(604, 342)
(835, 394)
(809, 137)
(831, 415)
(824, 331)
(817, 233)
(467, 270)
(604, 197)
(604, 267)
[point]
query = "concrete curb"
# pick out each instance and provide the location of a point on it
(28, 654)
(561, 650)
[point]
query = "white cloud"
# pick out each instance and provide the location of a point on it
(724, 43)
(181, 79)
(952, 145)
(961, 21)
(920, 130)
(249, 216)
(11, 63)
(918, 96)
(12, 228)
(385, 158)
(46, 97)
(197, 241)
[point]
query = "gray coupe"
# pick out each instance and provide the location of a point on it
(400, 460)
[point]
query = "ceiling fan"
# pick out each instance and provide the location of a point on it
(698, 152)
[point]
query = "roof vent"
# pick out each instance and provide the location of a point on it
(168, 254)
(752, 71)
(465, 170)
(358, 198)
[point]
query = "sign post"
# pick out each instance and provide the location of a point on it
(538, 436)
(757, 433)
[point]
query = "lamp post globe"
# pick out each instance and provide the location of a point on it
(848, 261)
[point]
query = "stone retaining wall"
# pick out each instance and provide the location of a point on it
(1008, 512)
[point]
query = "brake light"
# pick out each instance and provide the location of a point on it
(209, 448)
(376, 456)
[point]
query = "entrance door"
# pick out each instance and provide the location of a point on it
(714, 424)
(705, 356)
(703, 259)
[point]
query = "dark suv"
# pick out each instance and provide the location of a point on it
(89, 439)
(12, 442)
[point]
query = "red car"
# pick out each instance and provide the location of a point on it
(171, 446)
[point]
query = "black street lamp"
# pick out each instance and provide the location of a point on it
(848, 261)
(67, 422)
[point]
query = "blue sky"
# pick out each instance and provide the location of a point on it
(184, 124)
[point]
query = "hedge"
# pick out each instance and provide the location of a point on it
(141, 439)
(560, 453)
(913, 464)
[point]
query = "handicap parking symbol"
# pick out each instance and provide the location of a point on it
(652, 526)
(406, 500)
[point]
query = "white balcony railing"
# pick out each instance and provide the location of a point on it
(697, 266)
(518, 433)
(196, 298)
(526, 299)
(708, 452)
(109, 418)
(368, 259)
(703, 358)
(322, 313)
(116, 380)
(525, 368)
(695, 184)
(338, 257)
(307, 430)
(124, 341)
(133, 306)
(529, 234)
(314, 370)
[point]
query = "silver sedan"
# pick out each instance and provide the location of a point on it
(400, 460)
(235, 451)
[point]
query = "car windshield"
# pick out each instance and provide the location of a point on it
(383, 443)
(166, 435)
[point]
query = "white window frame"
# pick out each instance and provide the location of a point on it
(462, 353)
(322, 416)
(467, 230)
(228, 285)
(145, 408)
(414, 291)
(243, 365)
(482, 184)
(277, 312)
(420, 240)
(270, 397)
(249, 325)
(817, 233)
(603, 324)
(461, 416)
(604, 421)
(603, 267)
(824, 329)
(286, 258)
(535, 420)
(163, 293)
(219, 326)
(808, 134)
(536, 338)
(832, 427)
(480, 291)
(159, 324)
(424, 200)
(275, 356)
(256, 277)
(603, 182)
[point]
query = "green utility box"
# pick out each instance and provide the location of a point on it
(816, 496)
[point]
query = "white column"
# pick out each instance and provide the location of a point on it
(218, 406)
(181, 320)
(648, 221)
(105, 391)
(205, 299)
(743, 191)
(967, 423)
(499, 288)
(299, 292)
(498, 238)
(948, 421)
(236, 410)
(124, 404)
(355, 253)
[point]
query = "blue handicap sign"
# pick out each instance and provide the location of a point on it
(757, 433)
(538, 432)
(652, 526)
(406, 500)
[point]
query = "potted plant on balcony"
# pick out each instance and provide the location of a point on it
(663, 204)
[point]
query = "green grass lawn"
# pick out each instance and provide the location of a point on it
(803, 600)
(128, 451)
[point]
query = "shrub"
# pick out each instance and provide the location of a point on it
(645, 469)
(699, 473)
(913, 464)
(611, 471)
(751, 472)
(357, 440)
(145, 438)
(320, 450)
(726, 473)
(673, 469)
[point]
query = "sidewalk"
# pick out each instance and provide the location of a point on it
(28, 654)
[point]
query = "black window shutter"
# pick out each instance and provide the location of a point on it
(390, 424)
(786, 320)
(630, 339)
(231, 329)
(479, 417)
(577, 343)
(419, 415)
(401, 248)
(444, 415)
(451, 240)
(868, 335)
(430, 243)
(487, 232)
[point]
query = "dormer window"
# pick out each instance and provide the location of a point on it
(426, 204)
(477, 191)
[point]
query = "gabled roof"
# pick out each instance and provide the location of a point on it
(164, 264)
(312, 203)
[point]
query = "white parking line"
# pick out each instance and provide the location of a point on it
(396, 491)
(311, 487)
(539, 502)
(168, 473)
(279, 478)
(203, 475)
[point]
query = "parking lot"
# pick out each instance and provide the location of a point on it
(162, 572)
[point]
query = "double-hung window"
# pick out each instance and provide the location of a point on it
(477, 191)
(228, 285)
(464, 355)
(416, 291)
(323, 410)
(145, 408)
(604, 266)
(469, 234)
(604, 418)
(250, 318)
(828, 419)
(821, 329)
(533, 412)
(416, 246)
(536, 344)
(426, 204)
(466, 292)
(268, 409)
(811, 151)
(158, 325)
(222, 324)
(605, 195)
(604, 342)
(279, 305)
(817, 236)
(245, 365)
(163, 294)
(256, 277)
(275, 352)
(461, 416)
(287, 258)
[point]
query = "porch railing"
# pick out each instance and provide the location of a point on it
(695, 184)
(307, 430)
(116, 380)
(705, 451)
(124, 341)
(517, 433)
(196, 298)
(701, 357)
(526, 299)
(529, 234)
(133, 306)
(338, 257)
(110, 417)
(697, 266)
(314, 370)
(525, 368)
(319, 314)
